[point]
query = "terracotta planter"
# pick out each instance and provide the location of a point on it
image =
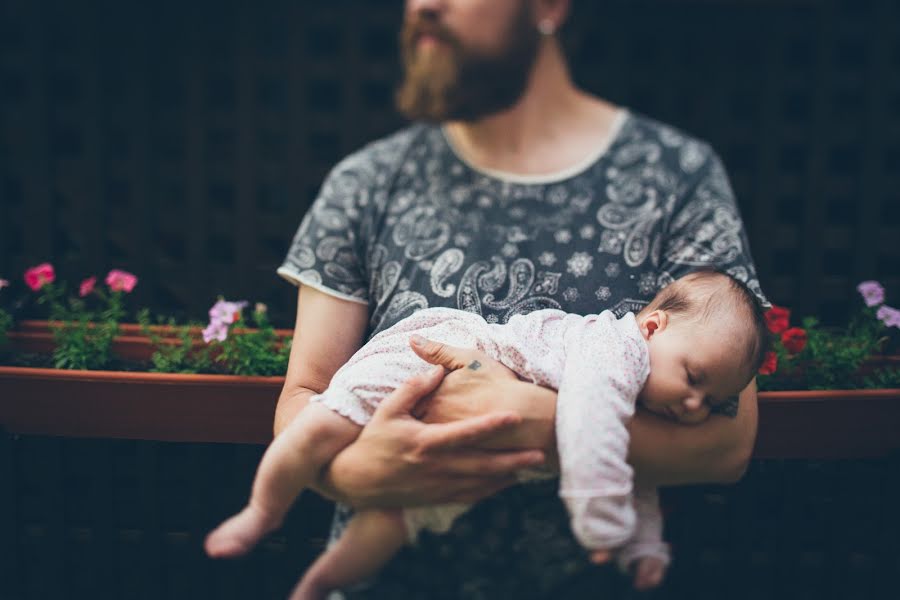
(37, 337)
(223, 408)
(148, 406)
(828, 424)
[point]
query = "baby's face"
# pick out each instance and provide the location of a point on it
(693, 368)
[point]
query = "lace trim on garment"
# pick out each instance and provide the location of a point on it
(345, 404)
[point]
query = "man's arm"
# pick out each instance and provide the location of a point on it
(715, 451)
(327, 332)
(397, 460)
(661, 451)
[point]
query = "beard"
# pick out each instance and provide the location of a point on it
(452, 83)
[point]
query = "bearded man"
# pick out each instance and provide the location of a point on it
(512, 190)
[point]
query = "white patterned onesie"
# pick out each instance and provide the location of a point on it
(597, 363)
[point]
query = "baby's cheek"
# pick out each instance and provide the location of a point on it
(695, 417)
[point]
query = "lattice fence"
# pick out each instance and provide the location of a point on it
(185, 141)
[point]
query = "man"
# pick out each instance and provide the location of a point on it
(514, 191)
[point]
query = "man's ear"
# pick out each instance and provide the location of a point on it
(653, 322)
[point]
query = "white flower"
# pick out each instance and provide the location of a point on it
(426, 265)
(579, 264)
(647, 284)
(509, 250)
(603, 294)
(461, 239)
(563, 236)
(485, 201)
(570, 295)
(612, 269)
(586, 232)
(547, 259)
(403, 284)
(491, 318)
(612, 241)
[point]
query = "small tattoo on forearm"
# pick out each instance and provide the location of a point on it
(729, 408)
(475, 365)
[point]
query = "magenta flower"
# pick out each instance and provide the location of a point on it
(222, 314)
(889, 316)
(39, 276)
(217, 330)
(872, 292)
(4, 283)
(87, 286)
(225, 312)
(121, 281)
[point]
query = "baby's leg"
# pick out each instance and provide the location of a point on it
(371, 539)
(291, 463)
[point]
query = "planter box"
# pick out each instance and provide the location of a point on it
(147, 406)
(828, 424)
(232, 409)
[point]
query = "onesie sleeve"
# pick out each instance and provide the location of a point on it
(604, 371)
(647, 540)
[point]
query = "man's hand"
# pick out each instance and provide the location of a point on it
(478, 385)
(400, 461)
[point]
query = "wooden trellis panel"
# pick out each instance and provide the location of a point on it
(185, 141)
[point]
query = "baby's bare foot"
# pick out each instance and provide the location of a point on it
(238, 535)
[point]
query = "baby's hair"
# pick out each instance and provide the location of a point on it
(704, 294)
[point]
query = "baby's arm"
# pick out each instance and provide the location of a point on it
(601, 379)
(645, 556)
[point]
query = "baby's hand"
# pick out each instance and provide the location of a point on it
(648, 572)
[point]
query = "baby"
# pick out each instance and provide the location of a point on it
(694, 347)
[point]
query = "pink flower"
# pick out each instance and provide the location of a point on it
(226, 312)
(872, 292)
(889, 316)
(215, 331)
(39, 276)
(87, 286)
(4, 283)
(121, 281)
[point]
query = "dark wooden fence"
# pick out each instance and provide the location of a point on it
(125, 519)
(184, 141)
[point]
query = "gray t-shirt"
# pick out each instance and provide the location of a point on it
(406, 223)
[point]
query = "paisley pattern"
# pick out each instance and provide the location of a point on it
(404, 224)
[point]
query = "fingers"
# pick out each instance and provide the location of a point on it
(649, 574)
(467, 432)
(437, 353)
(600, 557)
(403, 399)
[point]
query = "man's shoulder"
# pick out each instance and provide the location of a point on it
(691, 151)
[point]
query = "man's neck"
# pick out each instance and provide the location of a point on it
(553, 126)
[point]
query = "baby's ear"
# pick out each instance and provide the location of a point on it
(653, 322)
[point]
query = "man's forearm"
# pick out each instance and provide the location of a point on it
(289, 405)
(716, 451)
(662, 452)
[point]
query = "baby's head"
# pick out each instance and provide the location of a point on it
(707, 338)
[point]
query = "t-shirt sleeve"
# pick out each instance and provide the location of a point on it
(328, 251)
(705, 229)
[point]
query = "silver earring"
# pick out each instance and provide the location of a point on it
(546, 27)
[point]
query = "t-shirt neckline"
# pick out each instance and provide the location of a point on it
(622, 115)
